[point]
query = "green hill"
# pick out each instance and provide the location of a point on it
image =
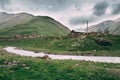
(41, 25)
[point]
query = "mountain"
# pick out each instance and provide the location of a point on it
(112, 26)
(10, 20)
(24, 23)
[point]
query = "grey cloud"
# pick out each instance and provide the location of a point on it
(4, 3)
(49, 5)
(116, 9)
(100, 8)
(77, 6)
(81, 20)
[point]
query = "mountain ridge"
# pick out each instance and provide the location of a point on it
(113, 26)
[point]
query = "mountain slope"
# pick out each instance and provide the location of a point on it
(10, 20)
(41, 25)
(112, 26)
(4, 16)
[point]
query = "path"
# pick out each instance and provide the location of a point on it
(14, 50)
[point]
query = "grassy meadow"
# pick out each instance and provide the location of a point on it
(68, 45)
(13, 67)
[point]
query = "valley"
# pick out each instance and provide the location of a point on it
(66, 55)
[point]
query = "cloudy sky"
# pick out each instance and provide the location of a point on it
(72, 13)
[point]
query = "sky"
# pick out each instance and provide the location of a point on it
(72, 13)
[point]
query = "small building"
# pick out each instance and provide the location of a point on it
(77, 33)
(81, 32)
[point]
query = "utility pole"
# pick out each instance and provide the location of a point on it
(85, 40)
(87, 28)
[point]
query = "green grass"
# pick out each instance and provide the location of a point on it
(27, 68)
(68, 45)
(41, 25)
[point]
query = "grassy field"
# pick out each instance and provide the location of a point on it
(68, 45)
(14, 67)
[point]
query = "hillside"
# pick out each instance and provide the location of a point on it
(24, 23)
(10, 20)
(112, 26)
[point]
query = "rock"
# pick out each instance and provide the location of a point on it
(103, 42)
(46, 57)
(14, 62)
(94, 50)
(18, 36)
(9, 63)
(24, 65)
(27, 67)
(36, 51)
(76, 64)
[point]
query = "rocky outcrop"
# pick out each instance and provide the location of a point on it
(103, 42)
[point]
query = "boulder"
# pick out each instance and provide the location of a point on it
(103, 42)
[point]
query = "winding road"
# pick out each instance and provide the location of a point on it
(20, 52)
